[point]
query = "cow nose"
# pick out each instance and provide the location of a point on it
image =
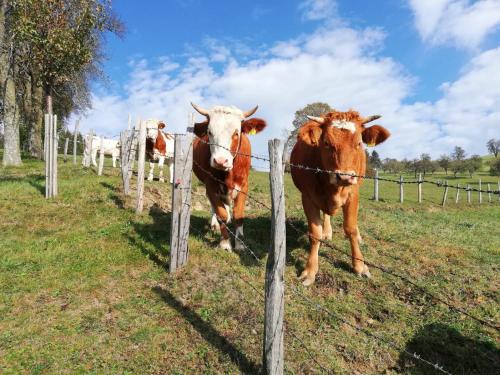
(347, 177)
(221, 162)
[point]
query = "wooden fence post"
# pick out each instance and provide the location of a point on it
(273, 353)
(458, 192)
(133, 145)
(54, 153)
(75, 140)
(50, 155)
(101, 157)
(140, 168)
(66, 143)
(124, 151)
(489, 193)
(419, 188)
(468, 194)
(480, 192)
(181, 201)
(445, 195)
(375, 186)
(401, 191)
(46, 155)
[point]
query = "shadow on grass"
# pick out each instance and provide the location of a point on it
(209, 333)
(114, 195)
(35, 180)
(457, 354)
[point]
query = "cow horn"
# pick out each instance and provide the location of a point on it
(368, 119)
(200, 110)
(251, 112)
(319, 120)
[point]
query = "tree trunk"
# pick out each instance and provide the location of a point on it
(48, 98)
(35, 145)
(10, 115)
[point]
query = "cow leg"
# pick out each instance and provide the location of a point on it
(151, 171)
(327, 227)
(94, 155)
(161, 160)
(170, 163)
(351, 231)
(239, 214)
(222, 216)
(214, 223)
(313, 215)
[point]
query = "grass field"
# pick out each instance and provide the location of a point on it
(85, 289)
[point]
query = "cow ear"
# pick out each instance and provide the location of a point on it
(310, 133)
(161, 125)
(374, 135)
(253, 126)
(201, 128)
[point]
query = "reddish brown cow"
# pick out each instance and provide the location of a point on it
(333, 142)
(219, 162)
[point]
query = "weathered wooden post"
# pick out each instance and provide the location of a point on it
(375, 186)
(133, 145)
(66, 143)
(140, 168)
(46, 154)
(181, 201)
(445, 195)
(124, 156)
(273, 353)
(401, 191)
(489, 193)
(468, 194)
(480, 192)
(101, 157)
(50, 155)
(75, 140)
(419, 188)
(458, 192)
(55, 147)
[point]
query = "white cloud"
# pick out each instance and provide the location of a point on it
(313, 10)
(460, 22)
(349, 73)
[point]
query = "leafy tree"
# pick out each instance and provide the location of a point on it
(458, 153)
(444, 162)
(374, 160)
(425, 163)
(473, 164)
(458, 166)
(495, 167)
(493, 146)
(313, 109)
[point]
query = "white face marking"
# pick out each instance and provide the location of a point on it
(345, 125)
(224, 122)
(152, 129)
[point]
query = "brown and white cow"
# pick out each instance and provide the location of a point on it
(333, 142)
(159, 147)
(217, 156)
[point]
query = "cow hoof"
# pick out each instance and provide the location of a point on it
(365, 272)
(307, 278)
(239, 245)
(150, 178)
(226, 245)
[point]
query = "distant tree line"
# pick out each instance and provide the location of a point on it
(50, 51)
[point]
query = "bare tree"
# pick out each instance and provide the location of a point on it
(493, 146)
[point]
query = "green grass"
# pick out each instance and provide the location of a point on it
(85, 289)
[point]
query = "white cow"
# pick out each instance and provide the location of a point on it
(159, 147)
(111, 147)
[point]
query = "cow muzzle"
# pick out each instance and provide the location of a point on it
(346, 177)
(222, 163)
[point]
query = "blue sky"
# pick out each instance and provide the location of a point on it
(431, 68)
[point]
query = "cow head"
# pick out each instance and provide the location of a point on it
(339, 137)
(224, 127)
(152, 128)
